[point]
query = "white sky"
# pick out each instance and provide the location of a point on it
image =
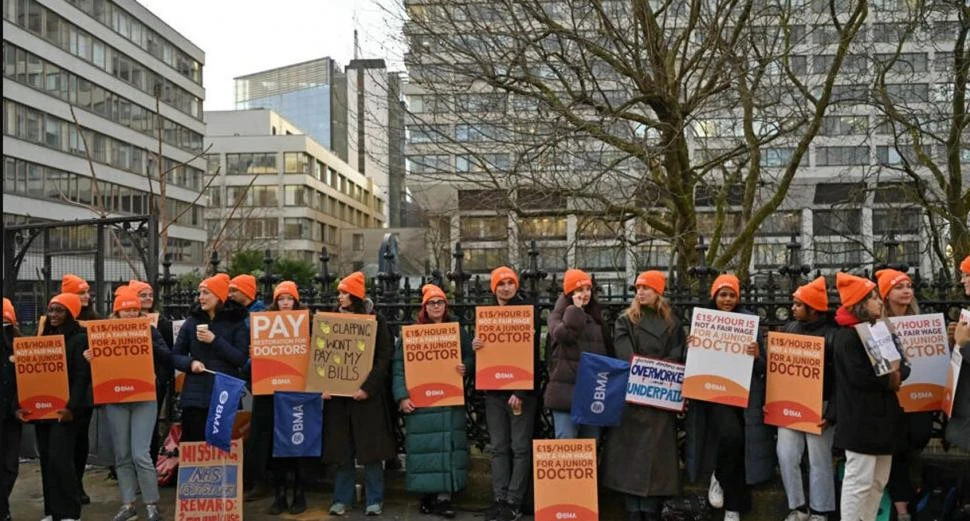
(241, 37)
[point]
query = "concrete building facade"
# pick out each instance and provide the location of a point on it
(279, 189)
(130, 80)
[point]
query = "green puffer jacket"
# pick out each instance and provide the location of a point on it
(435, 440)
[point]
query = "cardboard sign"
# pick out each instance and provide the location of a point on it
(279, 346)
(718, 365)
(925, 345)
(655, 383)
(880, 347)
(342, 347)
(564, 473)
(506, 361)
(432, 353)
(952, 378)
(42, 386)
(122, 365)
(209, 483)
(796, 369)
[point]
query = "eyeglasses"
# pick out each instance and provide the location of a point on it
(436, 302)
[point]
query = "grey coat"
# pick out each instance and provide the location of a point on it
(759, 439)
(640, 457)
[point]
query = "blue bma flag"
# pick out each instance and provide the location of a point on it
(600, 393)
(297, 425)
(226, 393)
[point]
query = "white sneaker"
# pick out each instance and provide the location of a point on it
(48, 518)
(731, 515)
(798, 515)
(817, 517)
(715, 494)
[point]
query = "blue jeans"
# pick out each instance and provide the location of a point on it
(567, 430)
(344, 481)
(131, 437)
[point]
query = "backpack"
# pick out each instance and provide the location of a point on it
(168, 457)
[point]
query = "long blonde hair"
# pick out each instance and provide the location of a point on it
(634, 315)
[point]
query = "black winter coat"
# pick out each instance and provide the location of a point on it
(870, 420)
(226, 354)
(573, 331)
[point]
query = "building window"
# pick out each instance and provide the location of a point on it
(842, 156)
(484, 228)
(358, 240)
(482, 260)
(770, 255)
(897, 221)
(653, 255)
(542, 228)
(601, 258)
(845, 125)
(297, 163)
(837, 222)
(837, 254)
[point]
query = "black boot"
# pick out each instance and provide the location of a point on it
(298, 506)
(279, 502)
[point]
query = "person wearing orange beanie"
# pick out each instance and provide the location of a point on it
(71, 283)
(133, 424)
(57, 441)
(365, 411)
(958, 428)
(896, 290)
(353, 284)
(871, 424)
(510, 415)
(646, 438)
(435, 436)
(242, 289)
(503, 274)
(214, 338)
(11, 429)
(744, 451)
(259, 447)
(575, 326)
(809, 308)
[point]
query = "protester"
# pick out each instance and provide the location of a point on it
(435, 440)
(896, 290)
(10, 428)
(164, 372)
(286, 297)
(132, 424)
(214, 337)
(641, 459)
(810, 309)
(510, 416)
(360, 426)
(868, 412)
(732, 442)
(575, 326)
(57, 439)
(958, 428)
(71, 283)
(242, 290)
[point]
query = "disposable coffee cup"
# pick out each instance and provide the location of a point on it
(517, 409)
(202, 327)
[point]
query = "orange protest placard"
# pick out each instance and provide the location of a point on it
(122, 365)
(342, 352)
(42, 386)
(564, 473)
(718, 366)
(279, 348)
(209, 482)
(796, 367)
(506, 361)
(432, 353)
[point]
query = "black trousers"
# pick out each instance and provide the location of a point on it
(81, 448)
(259, 445)
(10, 434)
(919, 427)
(729, 422)
(57, 443)
(161, 390)
(193, 423)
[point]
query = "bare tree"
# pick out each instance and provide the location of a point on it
(626, 109)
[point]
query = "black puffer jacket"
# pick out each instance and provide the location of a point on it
(573, 331)
(226, 354)
(870, 420)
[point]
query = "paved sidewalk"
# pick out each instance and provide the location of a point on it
(27, 502)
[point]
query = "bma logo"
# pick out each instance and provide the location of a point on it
(297, 438)
(599, 393)
(223, 398)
